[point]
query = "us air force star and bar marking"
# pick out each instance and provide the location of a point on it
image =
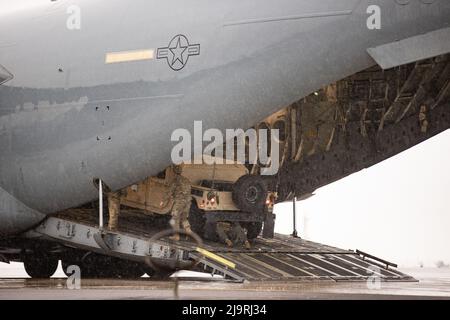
(178, 52)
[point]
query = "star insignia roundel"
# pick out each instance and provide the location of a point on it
(178, 52)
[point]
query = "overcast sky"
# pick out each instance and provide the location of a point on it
(398, 210)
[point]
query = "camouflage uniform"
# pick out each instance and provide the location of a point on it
(181, 193)
(114, 210)
(232, 233)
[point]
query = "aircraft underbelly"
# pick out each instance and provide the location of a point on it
(15, 216)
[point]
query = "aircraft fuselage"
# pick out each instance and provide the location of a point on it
(102, 100)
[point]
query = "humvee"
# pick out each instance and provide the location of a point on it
(220, 192)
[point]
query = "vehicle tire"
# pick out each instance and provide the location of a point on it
(74, 258)
(197, 219)
(128, 269)
(253, 229)
(91, 265)
(40, 265)
(100, 266)
(65, 264)
(149, 271)
(250, 193)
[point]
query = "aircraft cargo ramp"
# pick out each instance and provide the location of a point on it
(287, 258)
(281, 258)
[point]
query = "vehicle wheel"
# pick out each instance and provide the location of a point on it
(91, 265)
(197, 219)
(71, 258)
(109, 267)
(128, 269)
(65, 264)
(149, 271)
(40, 266)
(253, 229)
(250, 193)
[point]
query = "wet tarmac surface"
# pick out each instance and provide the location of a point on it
(433, 284)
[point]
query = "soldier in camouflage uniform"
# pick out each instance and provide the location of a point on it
(232, 233)
(114, 210)
(181, 193)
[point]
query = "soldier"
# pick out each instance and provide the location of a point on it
(114, 210)
(181, 193)
(232, 233)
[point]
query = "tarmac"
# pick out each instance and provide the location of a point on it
(432, 283)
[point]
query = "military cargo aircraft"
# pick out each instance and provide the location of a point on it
(92, 90)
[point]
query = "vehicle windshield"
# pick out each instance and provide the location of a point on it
(217, 185)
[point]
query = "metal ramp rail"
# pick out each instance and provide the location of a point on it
(285, 258)
(281, 258)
